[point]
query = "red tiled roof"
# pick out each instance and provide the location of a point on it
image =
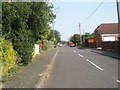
(108, 28)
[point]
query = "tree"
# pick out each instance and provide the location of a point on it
(24, 23)
(88, 36)
(51, 36)
(75, 38)
(41, 16)
(15, 29)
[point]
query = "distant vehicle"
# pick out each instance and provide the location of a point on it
(60, 45)
(72, 45)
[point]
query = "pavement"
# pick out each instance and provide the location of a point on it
(109, 53)
(29, 76)
(106, 53)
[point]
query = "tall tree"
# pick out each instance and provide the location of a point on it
(15, 28)
(41, 16)
(87, 36)
(24, 23)
(75, 38)
(53, 33)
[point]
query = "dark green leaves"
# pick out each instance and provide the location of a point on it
(24, 23)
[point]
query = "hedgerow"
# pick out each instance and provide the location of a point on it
(7, 59)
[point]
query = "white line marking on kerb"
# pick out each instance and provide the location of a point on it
(80, 55)
(74, 51)
(95, 65)
(118, 81)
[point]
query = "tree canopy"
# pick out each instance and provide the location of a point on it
(52, 34)
(75, 38)
(23, 23)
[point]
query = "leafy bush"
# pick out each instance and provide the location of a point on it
(24, 23)
(38, 41)
(44, 47)
(24, 44)
(8, 60)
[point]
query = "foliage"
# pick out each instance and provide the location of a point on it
(75, 38)
(8, 59)
(23, 44)
(88, 36)
(41, 16)
(119, 38)
(45, 45)
(57, 36)
(24, 24)
(38, 41)
(69, 42)
(63, 42)
(15, 29)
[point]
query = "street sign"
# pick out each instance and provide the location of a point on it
(90, 40)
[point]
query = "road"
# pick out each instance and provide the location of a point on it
(81, 68)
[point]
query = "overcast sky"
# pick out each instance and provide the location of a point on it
(70, 14)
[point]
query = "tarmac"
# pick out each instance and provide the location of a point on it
(108, 53)
(30, 76)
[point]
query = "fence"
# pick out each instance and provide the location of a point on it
(90, 45)
(111, 45)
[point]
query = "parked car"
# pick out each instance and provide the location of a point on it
(72, 45)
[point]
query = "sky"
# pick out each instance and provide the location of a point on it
(70, 13)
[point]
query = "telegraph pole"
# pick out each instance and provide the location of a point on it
(84, 37)
(118, 9)
(80, 35)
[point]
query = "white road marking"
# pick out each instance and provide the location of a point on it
(118, 81)
(80, 55)
(95, 65)
(74, 51)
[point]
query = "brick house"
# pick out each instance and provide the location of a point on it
(105, 32)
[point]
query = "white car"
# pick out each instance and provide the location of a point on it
(60, 45)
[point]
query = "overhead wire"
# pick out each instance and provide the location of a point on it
(93, 12)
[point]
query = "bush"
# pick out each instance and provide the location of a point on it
(8, 60)
(23, 44)
(44, 47)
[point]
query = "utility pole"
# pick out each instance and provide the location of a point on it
(118, 12)
(80, 35)
(84, 37)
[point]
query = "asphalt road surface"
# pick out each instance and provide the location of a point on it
(81, 68)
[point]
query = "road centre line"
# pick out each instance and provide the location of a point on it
(90, 62)
(80, 55)
(118, 81)
(74, 51)
(95, 65)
